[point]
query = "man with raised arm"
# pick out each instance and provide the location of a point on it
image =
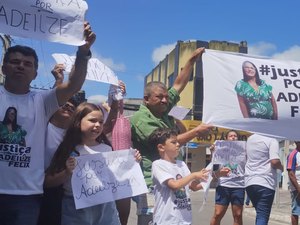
(153, 114)
(22, 167)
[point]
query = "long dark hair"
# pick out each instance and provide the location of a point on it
(73, 137)
(246, 78)
(7, 121)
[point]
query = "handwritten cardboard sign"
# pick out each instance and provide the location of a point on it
(105, 177)
(96, 71)
(52, 20)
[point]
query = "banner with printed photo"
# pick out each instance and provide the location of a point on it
(56, 21)
(252, 93)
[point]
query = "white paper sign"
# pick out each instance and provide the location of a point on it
(105, 177)
(179, 112)
(224, 82)
(66, 60)
(206, 185)
(96, 71)
(231, 154)
(57, 21)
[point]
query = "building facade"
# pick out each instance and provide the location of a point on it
(169, 68)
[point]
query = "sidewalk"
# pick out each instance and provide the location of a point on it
(281, 209)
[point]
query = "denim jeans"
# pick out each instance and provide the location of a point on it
(295, 203)
(19, 209)
(262, 200)
(50, 212)
(247, 202)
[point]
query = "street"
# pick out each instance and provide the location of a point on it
(203, 217)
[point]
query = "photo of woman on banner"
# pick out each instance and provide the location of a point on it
(10, 131)
(255, 96)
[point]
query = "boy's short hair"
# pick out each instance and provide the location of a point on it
(161, 135)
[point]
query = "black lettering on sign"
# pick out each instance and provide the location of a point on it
(39, 22)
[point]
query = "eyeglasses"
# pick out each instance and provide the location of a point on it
(68, 106)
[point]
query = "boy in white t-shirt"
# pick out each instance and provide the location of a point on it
(172, 180)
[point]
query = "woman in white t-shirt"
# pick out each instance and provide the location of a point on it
(231, 189)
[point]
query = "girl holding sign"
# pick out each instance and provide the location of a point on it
(84, 136)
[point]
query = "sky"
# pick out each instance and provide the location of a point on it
(133, 36)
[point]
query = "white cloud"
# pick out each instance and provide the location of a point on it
(97, 99)
(262, 49)
(269, 49)
(116, 67)
(293, 53)
(140, 78)
(161, 52)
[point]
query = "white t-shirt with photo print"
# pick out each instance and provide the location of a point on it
(171, 207)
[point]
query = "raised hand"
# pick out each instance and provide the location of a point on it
(90, 38)
(58, 73)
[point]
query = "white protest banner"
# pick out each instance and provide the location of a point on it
(231, 154)
(96, 71)
(269, 106)
(105, 177)
(66, 60)
(57, 21)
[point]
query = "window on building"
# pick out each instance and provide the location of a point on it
(171, 80)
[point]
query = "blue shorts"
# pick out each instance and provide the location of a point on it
(295, 203)
(226, 195)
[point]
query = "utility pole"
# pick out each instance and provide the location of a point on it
(6, 42)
